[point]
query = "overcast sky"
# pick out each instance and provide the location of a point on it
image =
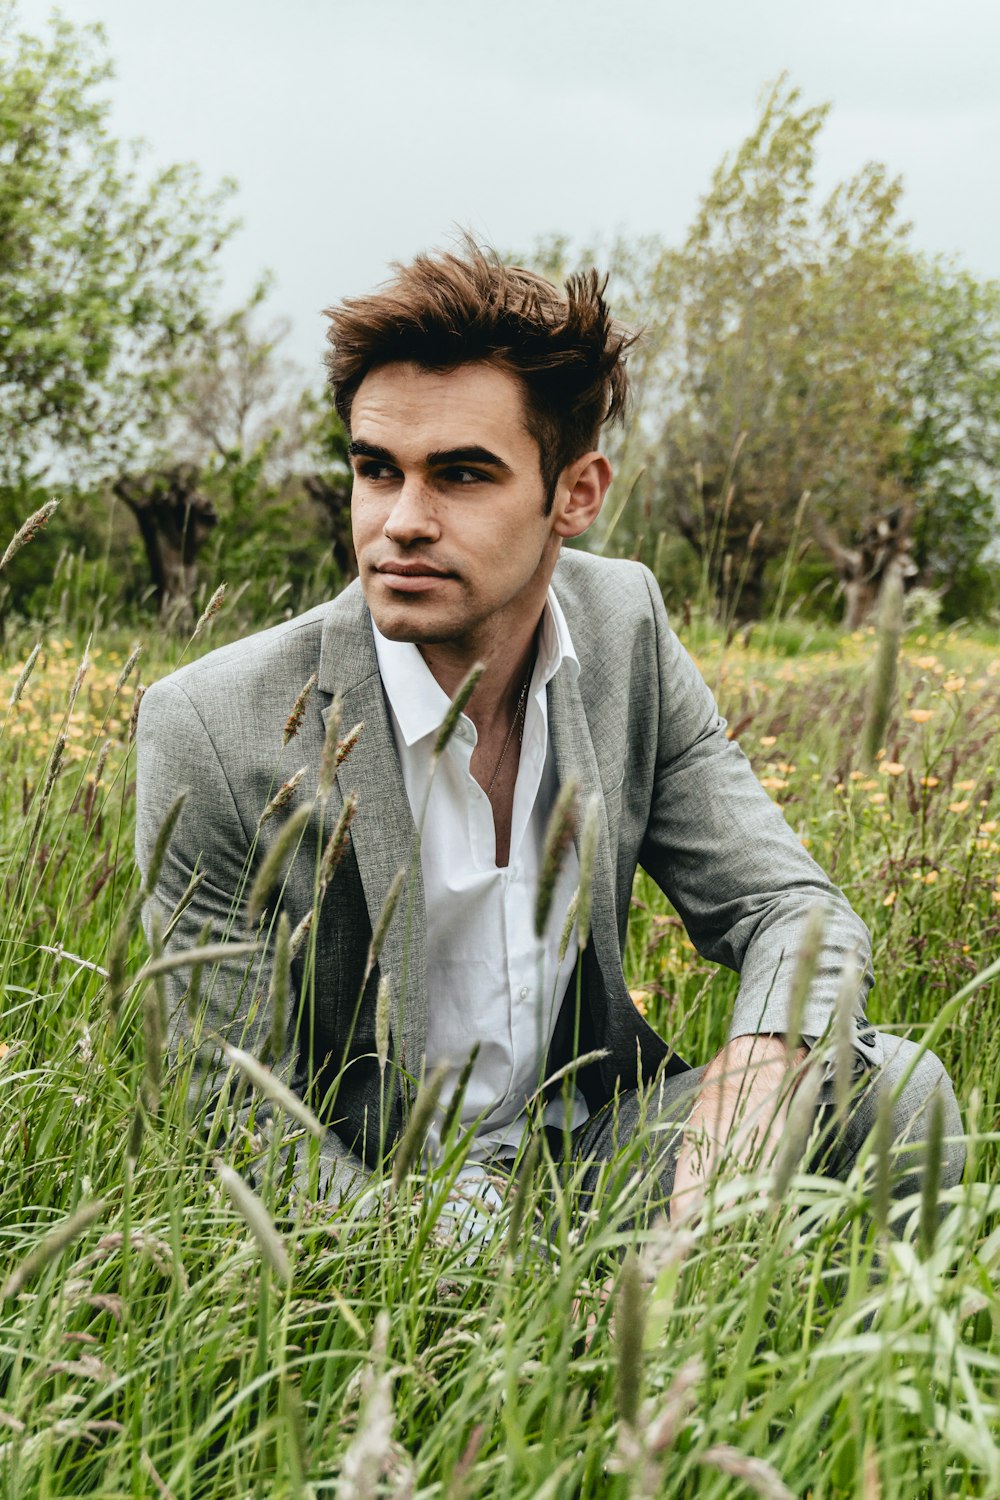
(361, 131)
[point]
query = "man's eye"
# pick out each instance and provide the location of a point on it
(372, 469)
(465, 476)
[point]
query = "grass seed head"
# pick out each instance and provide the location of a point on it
(301, 932)
(569, 924)
(298, 710)
(282, 797)
(48, 1248)
(458, 1094)
(328, 760)
(81, 673)
(347, 744)
(588, 853)
(630, 1328)
(127, 669)
(281, 978)
(385, 919)
(370, 1452)
(336, 844)
(24, 674)
(665, 1424)
(558, 837)
(55, 765)
(133, 718)
(522, 1196)
(153, 1036)
(102, 760)
(806, 960)
(163, 837)
(846, 1008)
(883, 681)
(270, 1086)
(411, 1142)
(457, 707)
(31, 527)
(274, 861)
(383, 1015)
(797, 1129)
(756, 1473)
(210, 611)
(257, 1220)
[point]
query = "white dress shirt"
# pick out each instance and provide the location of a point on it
(489, 980)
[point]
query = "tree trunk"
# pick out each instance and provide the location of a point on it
(884, 543)
(335, 500)
(174, 519)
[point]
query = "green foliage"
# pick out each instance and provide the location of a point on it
(271, 542)
(951, 458)
(792, 347)
(103, 275)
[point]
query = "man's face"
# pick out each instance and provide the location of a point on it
(448, 507)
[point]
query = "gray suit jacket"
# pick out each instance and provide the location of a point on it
(639, 726)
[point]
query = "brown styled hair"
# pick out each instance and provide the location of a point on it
(442, 311)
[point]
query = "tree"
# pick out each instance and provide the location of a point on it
(797, 327)
(950, 461)
(103, 276)
(804, 377)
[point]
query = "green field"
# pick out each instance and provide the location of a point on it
(161, 1337)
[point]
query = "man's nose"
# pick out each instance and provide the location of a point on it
(412, 517)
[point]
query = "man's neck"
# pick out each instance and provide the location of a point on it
(505, 670)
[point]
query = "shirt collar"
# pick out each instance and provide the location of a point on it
(419, 703)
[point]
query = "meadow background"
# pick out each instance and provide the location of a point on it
(810, 386)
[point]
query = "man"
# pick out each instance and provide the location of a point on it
(474, 394)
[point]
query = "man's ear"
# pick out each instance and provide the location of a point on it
(580, 492)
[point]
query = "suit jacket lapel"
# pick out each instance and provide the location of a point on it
(576, 758)
(383, 831)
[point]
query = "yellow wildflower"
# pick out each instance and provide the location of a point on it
(958, 807)
(891, 768)
(921, 715)
(640, 999)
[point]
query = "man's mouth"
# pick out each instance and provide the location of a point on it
(411, 570)
(411, 577)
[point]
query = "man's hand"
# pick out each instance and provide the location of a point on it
(740, 1111)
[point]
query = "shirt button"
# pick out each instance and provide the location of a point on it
(524, 992)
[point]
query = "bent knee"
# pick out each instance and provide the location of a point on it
(927, 1088)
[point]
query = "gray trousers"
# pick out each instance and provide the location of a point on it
(601, 1143)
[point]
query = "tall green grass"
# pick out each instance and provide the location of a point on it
(162, 1333)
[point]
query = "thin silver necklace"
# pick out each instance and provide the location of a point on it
(516, 723)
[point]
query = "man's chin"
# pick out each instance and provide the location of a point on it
(404, 623)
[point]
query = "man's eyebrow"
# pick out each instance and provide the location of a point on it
(473, 454)
(358, 449)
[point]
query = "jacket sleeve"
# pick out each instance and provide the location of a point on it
(175, 753)
(736, 872)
